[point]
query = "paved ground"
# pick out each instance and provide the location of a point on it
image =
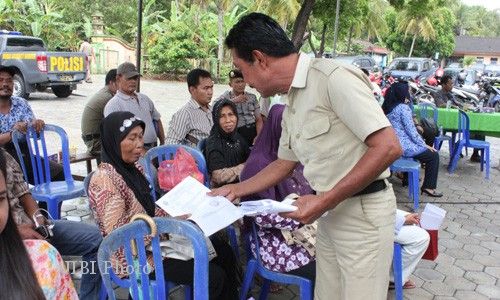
(468, 266)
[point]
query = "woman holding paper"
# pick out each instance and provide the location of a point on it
(399, 114)
(279, 252)
(119, 190)
(413, 240)
(226, 150)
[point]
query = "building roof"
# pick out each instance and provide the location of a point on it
(469, 45)
(369, 47)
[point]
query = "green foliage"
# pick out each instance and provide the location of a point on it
(477, 21)
(468, 61)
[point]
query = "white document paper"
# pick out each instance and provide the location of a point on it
(212, 214)
(432, 217)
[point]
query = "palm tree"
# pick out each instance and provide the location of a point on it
(416, 20)
(283, 11)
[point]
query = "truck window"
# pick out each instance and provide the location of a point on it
(24, 44)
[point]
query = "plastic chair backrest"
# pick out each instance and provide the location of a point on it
(39, 158)
(122, 236)
(463, 126)
(138, 281)
(426, 109)
(167, 152)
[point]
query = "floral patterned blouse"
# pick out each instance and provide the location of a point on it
(113, 204)
(275, 253)
(48, 265)
(402, 122)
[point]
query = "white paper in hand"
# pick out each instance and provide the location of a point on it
(266, 206)
(432, 217)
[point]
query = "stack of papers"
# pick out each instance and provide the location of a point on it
(432, 217)
(212, 214)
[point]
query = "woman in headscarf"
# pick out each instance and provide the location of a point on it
(274, 231)
(226, 150)
(400, 115)
(119, 190)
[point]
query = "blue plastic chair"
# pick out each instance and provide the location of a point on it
(430, 111)
(44, 189)
(397, 270)
(413, 169)
(463, 140)
(201, 145)
(167, 152)
(138, 281)
(254, 265)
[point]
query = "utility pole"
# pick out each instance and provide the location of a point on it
(336, 30)
(139, 39)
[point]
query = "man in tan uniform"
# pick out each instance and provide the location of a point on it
(336, 129)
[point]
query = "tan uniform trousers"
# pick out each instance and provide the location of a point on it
(354, 248)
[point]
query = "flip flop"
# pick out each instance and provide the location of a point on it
(409, 285)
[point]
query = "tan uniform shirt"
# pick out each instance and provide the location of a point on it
(330, 111)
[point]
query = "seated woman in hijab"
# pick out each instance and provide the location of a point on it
(279, 251)
(119, 190)
(399, 114)
(226, 150)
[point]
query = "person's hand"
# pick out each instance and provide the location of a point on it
(239, 99)
(310, 208)
(183, 217)
(228, 191)
(21, 126)
(38, 124)
(27, 232)
(412, 219)
(431, 148)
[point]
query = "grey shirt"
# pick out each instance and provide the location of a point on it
(142, 106)
(190, 119)
(246, 110)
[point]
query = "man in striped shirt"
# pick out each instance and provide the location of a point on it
(193, 122)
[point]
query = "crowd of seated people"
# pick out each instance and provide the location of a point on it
(119, 189)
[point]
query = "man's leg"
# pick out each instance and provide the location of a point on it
(328, 285)
(414, 241)
(362, 232)
(80, 239)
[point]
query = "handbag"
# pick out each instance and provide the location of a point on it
(432, 250)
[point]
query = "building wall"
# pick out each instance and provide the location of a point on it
(486, 59)
(110, 52)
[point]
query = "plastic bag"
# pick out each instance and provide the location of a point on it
(171, 172)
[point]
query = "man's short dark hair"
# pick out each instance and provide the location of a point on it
(110, 76)
(445, 79)
(9, 70)
(193, 77)
(257, 31)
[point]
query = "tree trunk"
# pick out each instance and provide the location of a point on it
(336, 28)
(299, 26)
(350, 38)
(220, 49)
(309, 39)
(412, 45)
(322, 45)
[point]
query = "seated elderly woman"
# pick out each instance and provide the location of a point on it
(399, 114)
(118, 190)
(278, 251)
(32, 268)
(226, 150)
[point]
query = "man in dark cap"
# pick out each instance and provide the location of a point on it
(127, 99)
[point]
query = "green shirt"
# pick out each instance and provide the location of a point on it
(93, 112)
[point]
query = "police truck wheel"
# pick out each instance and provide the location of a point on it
(19, 87)
(62, 91)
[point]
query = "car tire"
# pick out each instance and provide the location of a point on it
(19, 87)
(62, 91)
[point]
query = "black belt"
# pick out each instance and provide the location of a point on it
(150, 145)
(89, 137)
(376, 186)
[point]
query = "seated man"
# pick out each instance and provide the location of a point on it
(16, 114)
(413, 240)
(444, 96)
(69, 238)
(127, 99)
(193, 122)
(249, 117)
(93, 114)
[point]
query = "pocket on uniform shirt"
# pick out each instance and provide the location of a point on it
(316, 127)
